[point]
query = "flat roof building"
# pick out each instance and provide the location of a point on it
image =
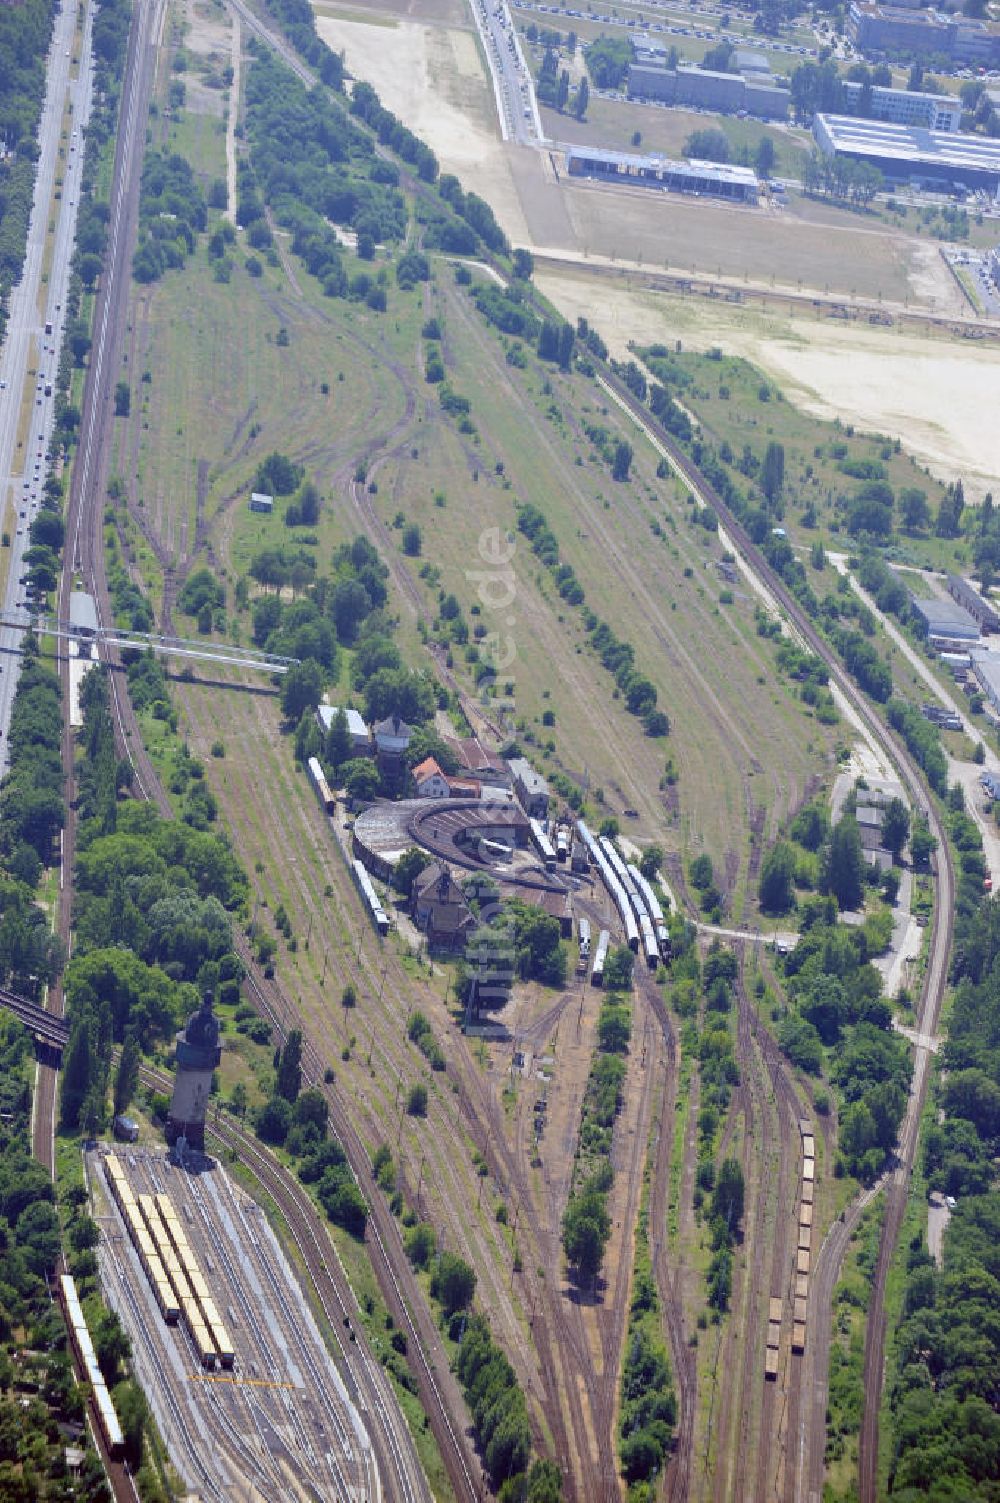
(898, 31)
(260, 502)
(754, 92)
(987, 671)
(910, 153)
(944, 620)
(940, 112)
(979, 609)
(715, 179)
(361, 740)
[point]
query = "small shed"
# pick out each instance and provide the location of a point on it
(126, 1130)
(260, 502)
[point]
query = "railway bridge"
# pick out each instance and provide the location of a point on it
(223, 653)
(49, 1030)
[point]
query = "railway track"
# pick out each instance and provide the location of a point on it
(805, 1476)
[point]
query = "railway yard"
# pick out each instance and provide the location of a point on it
(266, 1405)
(267, 1373)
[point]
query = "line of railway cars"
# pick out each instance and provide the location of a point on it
(803, 1257)
(322, 788)
(110, 1424)
(600, 956)
(583, 933)
(371, 899)
(177, 1237)
(543, 845)
(143, 1243)
(638, 909)
(171, 1267)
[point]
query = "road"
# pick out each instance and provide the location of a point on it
(30, 357)
(513, 87)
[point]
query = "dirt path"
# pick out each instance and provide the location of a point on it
(233, 114)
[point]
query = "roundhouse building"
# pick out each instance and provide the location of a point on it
(911, 153)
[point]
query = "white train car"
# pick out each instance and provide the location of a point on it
(322, 788)
(370, 897)
(111, 1428)
(650, 947)
(600, 956)
(562, 844)
(653, 908)
(543, 845)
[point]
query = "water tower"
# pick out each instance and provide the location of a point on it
(198, 1055)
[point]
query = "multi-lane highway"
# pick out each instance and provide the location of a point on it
(30, 355)
(513, 87)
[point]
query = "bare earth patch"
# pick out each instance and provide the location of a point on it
(931, 393)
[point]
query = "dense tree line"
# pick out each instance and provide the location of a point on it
(945, 1395)
(298, 22)
(31, 795)
(153, 915)
(311, 163)
(25, 31)
(172, 211)
(500, 1419)
(838, 1003)
(39, 1397)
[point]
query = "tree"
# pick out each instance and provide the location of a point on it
(338, 747)
(127, 1076)
(562, 91)
(707, 146)
(895, 828)
(301, 689)
(582, 99)
(618, 969)
(408, 868)
(772, 475)
(922, 843)
(650, 862)
(416, 1101)
(777, 879)
(361, 778)
(288, 1080)
(453, 1283)
(78, 1073)
(914, 511)
(727, 1198)
(586, 1227)
(845, 864)
(123, 399)
(412, 541)
(764, 157)
(622, 462)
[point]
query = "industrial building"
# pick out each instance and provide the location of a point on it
(530, 787)
(895, 31)
(910, 153)
(979, 609)
(752, 93)
(987, 671)
(361, 740)
(939, 112)
(944, 620)
(714, 179)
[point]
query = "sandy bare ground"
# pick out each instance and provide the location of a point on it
(934, 394)
(433, 79)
